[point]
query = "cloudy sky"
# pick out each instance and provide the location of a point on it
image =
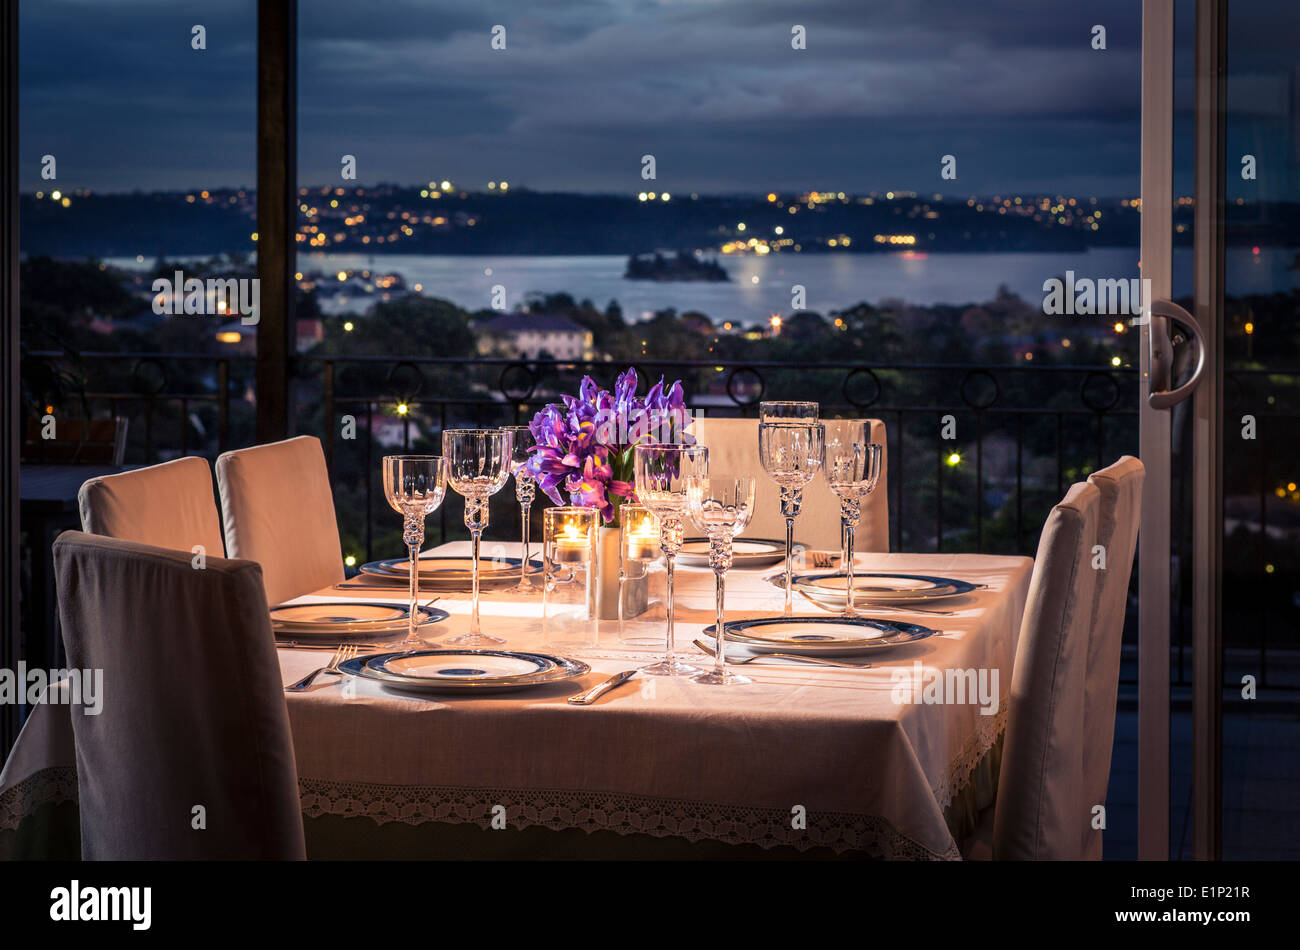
(711, 88)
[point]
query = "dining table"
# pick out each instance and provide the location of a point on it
(804, 761)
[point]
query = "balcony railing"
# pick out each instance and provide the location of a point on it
(977, 454)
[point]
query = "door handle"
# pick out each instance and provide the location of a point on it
(1160, 396)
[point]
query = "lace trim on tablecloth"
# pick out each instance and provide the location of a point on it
(48, 786)
(561, 809)
(960, 770)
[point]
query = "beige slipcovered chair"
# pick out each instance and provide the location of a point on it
(1120, 486)
(169, 506)
(733, 448)
(278, 510)
(192, 712)
(1043, 809)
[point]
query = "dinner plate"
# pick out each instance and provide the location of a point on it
(745, 552)
(829, 587)
(464, 671)
(834, 636)
(452, 571)
(343, 621)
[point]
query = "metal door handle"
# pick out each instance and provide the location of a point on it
(1160, 396)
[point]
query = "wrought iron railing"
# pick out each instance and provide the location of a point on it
(1023, 431)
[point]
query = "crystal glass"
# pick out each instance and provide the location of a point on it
(721, 505)
(569, 596)
(791, 455)
(661, 473)
(478, 465)
(787, 411)
(852, 468)
(525, 493)
(414, 486)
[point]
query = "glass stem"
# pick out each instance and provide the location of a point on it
(523, 568)
(789, 565)
(720, 645)
(414, 618)
(848, 561)
(668, 560)
(475, 535)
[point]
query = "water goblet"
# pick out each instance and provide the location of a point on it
(661, 473)
(478, 466)
(722, 506)
(414, 486)
(852, 468)
(791, 455)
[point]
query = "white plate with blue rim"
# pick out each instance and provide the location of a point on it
(745, 552)
(825, 636)
(342, 621)
(874, 587)
(464, 671)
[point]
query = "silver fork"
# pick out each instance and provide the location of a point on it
(816, 661)
(345, 652)
(823, 559)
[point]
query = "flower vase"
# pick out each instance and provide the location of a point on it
(612, 583)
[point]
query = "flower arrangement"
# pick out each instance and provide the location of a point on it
(584, 445)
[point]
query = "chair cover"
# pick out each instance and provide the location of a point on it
(169, 506)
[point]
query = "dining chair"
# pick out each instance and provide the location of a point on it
(1120, 486)
(278, 510)
(169, 506)
(733, 447)
(1043, 809)
(189, 755)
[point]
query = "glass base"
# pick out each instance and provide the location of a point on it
(725, 678)
(526, 586)
(475, 640)
(670, 667)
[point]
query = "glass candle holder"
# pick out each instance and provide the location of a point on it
(568, 594)
(640, 533)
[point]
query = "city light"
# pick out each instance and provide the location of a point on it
(1250, 328)
(350, 560)
(954, 460)
(347, 327)
(1115, 361)
(342, 275)
(228, 336)
(402, 409)
(740, 226)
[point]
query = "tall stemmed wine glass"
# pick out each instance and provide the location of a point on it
(852, 468)
(414, 486)
(478, 465)
(661, 473)
(791, 454)
(722, 505)
(525, 492)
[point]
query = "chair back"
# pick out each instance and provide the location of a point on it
(168, 506)
(1120, 486)
(278, 510)
(189, 754)
(1043, 811)
(733, 448)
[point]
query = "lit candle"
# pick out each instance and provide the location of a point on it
(640, 534)
(572, 545)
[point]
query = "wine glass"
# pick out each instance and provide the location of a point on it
(525, 492)
(414, 486)
(791, 454)
(661, 472)
(852, 468)
(722, 505)
(478, 465)
(784, 410)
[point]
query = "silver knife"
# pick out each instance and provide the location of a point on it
(601, 688)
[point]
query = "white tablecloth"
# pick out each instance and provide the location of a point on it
(805, 756)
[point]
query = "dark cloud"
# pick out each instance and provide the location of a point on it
(710, 87)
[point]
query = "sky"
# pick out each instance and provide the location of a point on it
(584, 88)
